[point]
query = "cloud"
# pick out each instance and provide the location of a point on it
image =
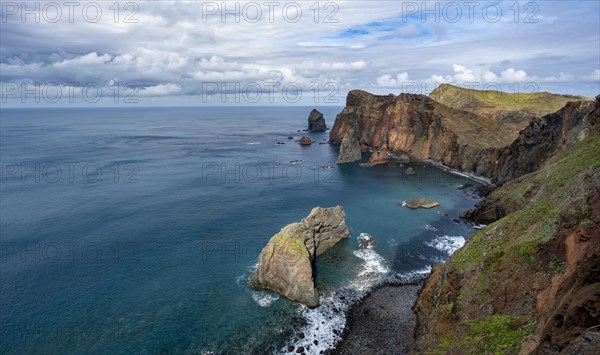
(594, 76)
(482, 75)
(160, 90)
(172, 49)
(387, 81)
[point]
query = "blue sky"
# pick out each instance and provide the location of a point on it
(187, 53)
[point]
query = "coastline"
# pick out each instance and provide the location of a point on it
(382, 322)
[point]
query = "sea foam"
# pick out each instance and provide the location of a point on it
(448, 244)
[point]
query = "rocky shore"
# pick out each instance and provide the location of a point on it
(382, 323)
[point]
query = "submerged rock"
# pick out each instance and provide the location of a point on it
(349, 150)
(409, 171)
(285, 263)
(417, 202)
(316, 122)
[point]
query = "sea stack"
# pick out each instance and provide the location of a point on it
(285, 263)
(350, 149)
(316, 122)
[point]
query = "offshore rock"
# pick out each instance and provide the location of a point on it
(416, 202)
(305, 141)
(285, 263)
(316, 122)
(350, 149)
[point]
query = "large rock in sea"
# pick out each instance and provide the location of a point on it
(316, 122)
(350, 149)
(417, 202)
(285, 263)
(305, 141)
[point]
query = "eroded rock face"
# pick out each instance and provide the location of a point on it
(316, 121)
(350, 150)
(285, 263)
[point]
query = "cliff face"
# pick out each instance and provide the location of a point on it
(543, 138)
(528, 283)
(420, 128)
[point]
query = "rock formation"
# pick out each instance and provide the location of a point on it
(316, 122)
(285, 263)
(379, 157)
(305, 141)
(350, 149)
(529, 282)
(418, 127)
(417, 202)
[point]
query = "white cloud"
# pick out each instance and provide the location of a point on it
(512, 75)
(160, 90)
(594, 76)
(172, 45)
(387, 81)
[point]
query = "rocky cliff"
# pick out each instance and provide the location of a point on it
(417, 127)
(529, 283)
(542, 139)
(285, 263)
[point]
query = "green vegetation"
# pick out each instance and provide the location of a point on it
(586, 223)
(282, 239)
(496, 334)
(557, 266)
(539, 103)
(511, 251)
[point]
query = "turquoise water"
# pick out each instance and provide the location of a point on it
(134, 230)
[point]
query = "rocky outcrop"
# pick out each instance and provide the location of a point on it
(305, 141)
(379, 156)
(350, 150)
(316, 122)
(285, 263)
(417, 202)
(420, 128)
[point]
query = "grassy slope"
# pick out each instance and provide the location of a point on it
(492, 102)
(486, 295)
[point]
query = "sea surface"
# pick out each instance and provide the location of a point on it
(133, 230)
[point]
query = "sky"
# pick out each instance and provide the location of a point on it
(171, 53)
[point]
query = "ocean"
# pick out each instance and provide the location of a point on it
(133, 230)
